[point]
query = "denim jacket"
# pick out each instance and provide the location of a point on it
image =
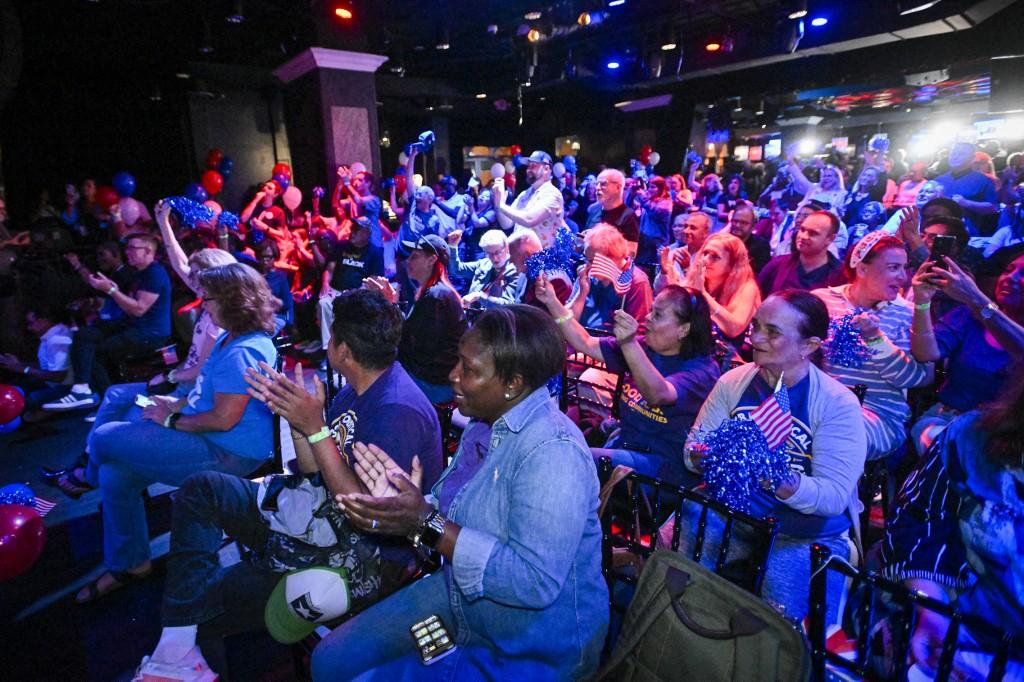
(525, 580)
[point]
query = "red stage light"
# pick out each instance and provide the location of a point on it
(713, 46)
(343, 12)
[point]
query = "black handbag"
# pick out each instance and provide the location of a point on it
(686, 623)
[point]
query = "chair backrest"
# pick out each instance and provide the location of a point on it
(865, 613)
(275, 464)
(659, 500)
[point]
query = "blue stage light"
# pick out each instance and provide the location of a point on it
(613, 64)
(616, 3)
(819, 21)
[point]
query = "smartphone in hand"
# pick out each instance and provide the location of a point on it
(942, 245)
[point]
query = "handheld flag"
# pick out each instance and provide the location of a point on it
(773, 417)
(605, 268)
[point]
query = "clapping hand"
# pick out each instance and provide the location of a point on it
(290, 399)
(100, 282)
(394, 505)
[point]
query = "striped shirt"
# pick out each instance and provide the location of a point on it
(889, 373)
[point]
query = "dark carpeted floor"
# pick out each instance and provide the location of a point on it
(45, 634)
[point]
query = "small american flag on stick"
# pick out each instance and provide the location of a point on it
(605, 268)
(773, 417)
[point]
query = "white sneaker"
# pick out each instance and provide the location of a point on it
(91, 417)
(191, 667)
(73, 401)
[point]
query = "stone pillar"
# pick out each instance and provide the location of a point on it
(330, 112)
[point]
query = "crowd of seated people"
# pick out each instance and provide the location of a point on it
(701, 301)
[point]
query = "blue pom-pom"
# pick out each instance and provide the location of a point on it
(737, 460)
(190, 213)
(561, 256)
(844, 346)
(229, 220)
(17, 493)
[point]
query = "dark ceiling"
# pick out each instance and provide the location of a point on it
(146, 42)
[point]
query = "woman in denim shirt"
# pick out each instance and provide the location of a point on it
(514, 516)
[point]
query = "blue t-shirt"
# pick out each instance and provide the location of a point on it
(977, 371)
(281, 289)
(394, 415)
(602, 301)
(372, 206)
(156, 322)
(974, 186)
(801, 459)
(224, 372)
(417, 224)
(661, 429)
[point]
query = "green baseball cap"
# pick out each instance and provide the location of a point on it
(304, 599)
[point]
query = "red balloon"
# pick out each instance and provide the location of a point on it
(106, 196)
(12, 402)
(515, 149)
(214, 158)
(282, 169)
(22, 536)
(646, 149)
(400, 186)
(213, 182)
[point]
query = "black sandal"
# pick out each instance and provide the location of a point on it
(69, 484)
(121, 578)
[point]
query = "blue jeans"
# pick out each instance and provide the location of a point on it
(198, 591)
(96, 347)
(127, 456)
(377, 643)
(649, 464)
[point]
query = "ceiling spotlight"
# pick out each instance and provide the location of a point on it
(911, 6)
(713, 45)
(492, 29)
(819, 21)
(343, 10)
(668, 39)
(799, 10)
(183, 75)
(533, 35)
(668, 46)
(443, 45)
(155, 95)
(584, 19)
(481, 95)
(532, 16)
(613, 65)
(616, 3)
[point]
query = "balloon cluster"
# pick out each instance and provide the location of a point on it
(844, 346)
(12, 404)
(119, 193)
(737, 461)
(218, 170)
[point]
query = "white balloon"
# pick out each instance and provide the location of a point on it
(402, 158)
(130, 211)
(417, 180)
(358, 167)
(558, 169)
(498, 171)
(654, 158)
(510, 167)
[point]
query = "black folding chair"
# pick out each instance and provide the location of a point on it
(657, 500)
(869, 587)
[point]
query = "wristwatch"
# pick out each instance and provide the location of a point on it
(988, 311)
(430, 531)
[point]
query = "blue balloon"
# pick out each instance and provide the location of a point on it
(227, 164)
(11, 425)
(282, 180)
(196, 192)
(570, 164)
(124, 183)
(17, 493)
